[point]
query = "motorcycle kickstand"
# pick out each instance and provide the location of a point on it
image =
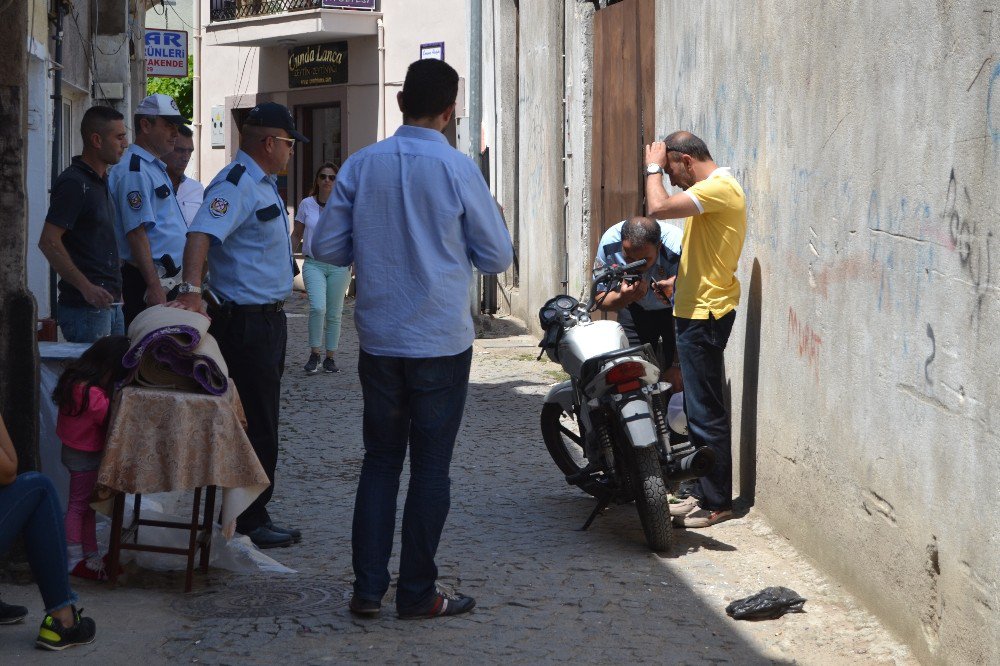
(602, 504)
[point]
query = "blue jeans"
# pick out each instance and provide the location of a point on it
(87, 324)
(419, 400)
(326, 286)
(701, 346)
(30, 506)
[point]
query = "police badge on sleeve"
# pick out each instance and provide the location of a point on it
(134, 200)
(218, 207)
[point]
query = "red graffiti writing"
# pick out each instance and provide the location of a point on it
(807, 341)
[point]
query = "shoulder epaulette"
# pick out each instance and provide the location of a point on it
(134, 163)
(235, 174)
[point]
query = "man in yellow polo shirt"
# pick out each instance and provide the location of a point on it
(705, 298)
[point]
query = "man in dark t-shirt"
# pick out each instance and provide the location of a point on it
(78, 237)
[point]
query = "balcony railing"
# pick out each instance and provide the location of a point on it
(229, 10)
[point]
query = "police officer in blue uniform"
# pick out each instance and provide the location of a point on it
(644, 305)
(150, 226)
(242, 229)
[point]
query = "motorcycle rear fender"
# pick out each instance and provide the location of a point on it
(562, 394)
(638, 421)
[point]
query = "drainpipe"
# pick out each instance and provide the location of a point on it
(489, 282)
(381, 79)
(563, 249)
(475, 80)
(196, 85)
(56, 132)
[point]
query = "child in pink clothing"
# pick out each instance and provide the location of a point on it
(84, 398)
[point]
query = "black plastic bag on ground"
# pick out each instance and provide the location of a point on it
(769, 603)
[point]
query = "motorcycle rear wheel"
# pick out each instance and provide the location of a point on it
(563, 435)
(651, 498)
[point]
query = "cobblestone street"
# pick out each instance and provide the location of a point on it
(545, 591)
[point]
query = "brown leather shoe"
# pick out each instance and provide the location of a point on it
(364, 607)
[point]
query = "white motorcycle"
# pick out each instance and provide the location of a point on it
(607, 426)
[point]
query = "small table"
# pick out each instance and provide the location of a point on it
(163, 439)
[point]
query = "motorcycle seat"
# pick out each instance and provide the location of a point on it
(592, 365)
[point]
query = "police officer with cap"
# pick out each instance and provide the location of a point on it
(150, 225)
(242, 230)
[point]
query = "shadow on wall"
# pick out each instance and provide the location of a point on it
(751, 372)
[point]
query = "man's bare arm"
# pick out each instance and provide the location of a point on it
(662, 207)
(51, 245)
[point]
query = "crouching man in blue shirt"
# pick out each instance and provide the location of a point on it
(414, 216)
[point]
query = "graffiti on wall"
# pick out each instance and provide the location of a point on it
(804, 340)
(971, 238)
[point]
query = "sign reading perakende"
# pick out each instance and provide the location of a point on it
(166, 52)
(317, 65)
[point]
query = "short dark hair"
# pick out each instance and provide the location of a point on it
(430, 87)
(185, 131)
(689, 144)
(95, 121)
(640, 231)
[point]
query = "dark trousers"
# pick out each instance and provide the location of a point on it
(701, 346)
(420, 401)
(253, 344)
(650, 326)
(133, 293)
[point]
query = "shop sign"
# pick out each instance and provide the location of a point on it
(350, 4)
(166, 52)
(317, 65)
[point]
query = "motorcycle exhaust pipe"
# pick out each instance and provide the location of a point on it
(693, 465)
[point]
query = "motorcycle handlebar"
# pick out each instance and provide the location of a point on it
(615, 271)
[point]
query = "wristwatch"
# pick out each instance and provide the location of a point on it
(188, 288)
(653, 168)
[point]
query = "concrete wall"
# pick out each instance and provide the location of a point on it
(38, 150)
(578, 139)
(540, 151)
(540, 143)
(863, 365)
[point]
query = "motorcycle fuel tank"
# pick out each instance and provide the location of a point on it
(588, 340)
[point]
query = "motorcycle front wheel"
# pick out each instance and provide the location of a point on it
(651, 498)
(563, 435)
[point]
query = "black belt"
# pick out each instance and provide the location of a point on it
(266, 307)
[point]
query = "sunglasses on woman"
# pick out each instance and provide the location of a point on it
(326, 176)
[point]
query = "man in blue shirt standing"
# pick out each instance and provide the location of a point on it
(414, 216)
(150, 223)
(242, 230)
